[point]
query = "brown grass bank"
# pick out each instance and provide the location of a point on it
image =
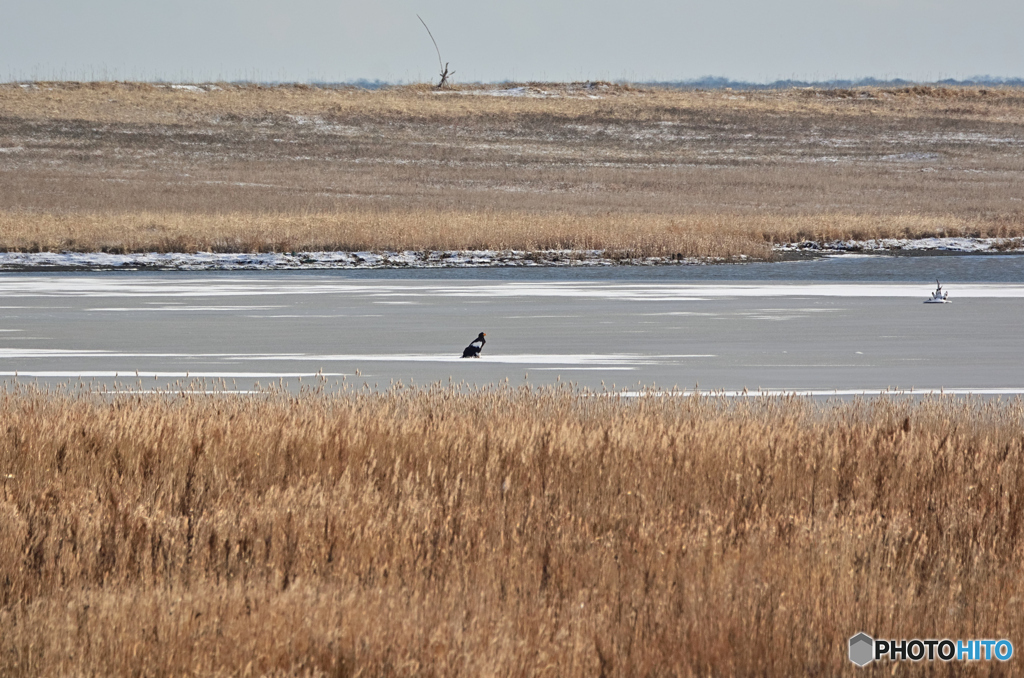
(640, 235)
(502, 532)
(645, 171)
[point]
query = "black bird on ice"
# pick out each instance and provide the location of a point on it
(473, 350)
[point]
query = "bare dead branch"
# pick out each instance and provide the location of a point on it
(444, 68)
(432, 40)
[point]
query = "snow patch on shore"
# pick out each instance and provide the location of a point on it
(523, 91)
(966, 245)
(206, 261)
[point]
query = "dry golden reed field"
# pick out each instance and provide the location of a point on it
(632, 170)
(453, 532)
(501, 532)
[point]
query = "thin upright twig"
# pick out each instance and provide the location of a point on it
(444, 67)
(432, 40)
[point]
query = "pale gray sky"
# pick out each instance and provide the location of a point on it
(302, 40)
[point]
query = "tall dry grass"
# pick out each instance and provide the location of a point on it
(694, 235)
(379, 230)
(140, 102)
(642, 171)
(501, 532)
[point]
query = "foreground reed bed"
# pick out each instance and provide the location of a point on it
(499, 532)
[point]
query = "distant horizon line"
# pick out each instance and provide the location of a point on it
(706, 82)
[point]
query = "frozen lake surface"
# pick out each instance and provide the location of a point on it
(834, 325)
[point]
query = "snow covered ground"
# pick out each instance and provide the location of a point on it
(970, 245)
(206, 261)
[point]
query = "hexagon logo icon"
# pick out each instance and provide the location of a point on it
(862, 649)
